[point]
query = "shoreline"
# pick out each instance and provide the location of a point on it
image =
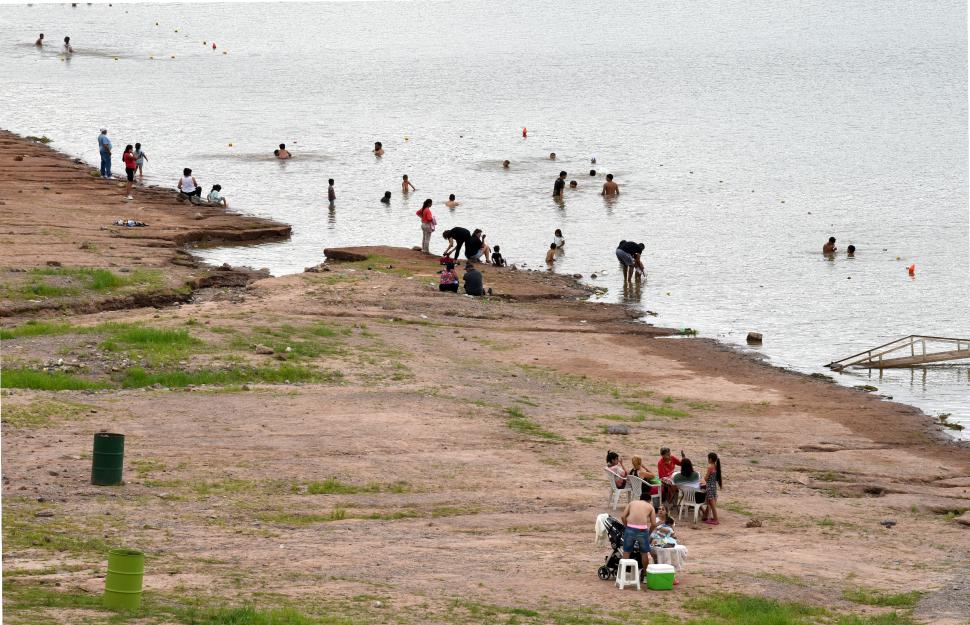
(478, 420)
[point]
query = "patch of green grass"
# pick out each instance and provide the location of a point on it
(634, 418)
(294, 518)
(101, 279)
(522, 424)
(869, 596)
(146, 466)
(35, 328)
(660, 411)
(333, 486)
(827, 476)
(21, 530)
(784, 579)
(42, 413)
(137, 377)
(737, 507)
(731, 609)
(377, 262)
(701, 405)
(826, 522)
(44, 381)
(589, 440)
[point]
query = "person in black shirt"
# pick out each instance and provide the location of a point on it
(474, 283)
(559, 185)
(628, 253)
(457, 237)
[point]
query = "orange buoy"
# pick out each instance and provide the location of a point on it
(525, 132)
(912, 269)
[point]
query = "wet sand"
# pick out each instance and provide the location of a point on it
(472, 434)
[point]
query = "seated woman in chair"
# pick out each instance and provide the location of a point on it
(614, 464)
(652, 485)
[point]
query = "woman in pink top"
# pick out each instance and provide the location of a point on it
(427, 226)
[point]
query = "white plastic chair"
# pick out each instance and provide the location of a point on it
(616, 491)
(688, 499)
(636, 486)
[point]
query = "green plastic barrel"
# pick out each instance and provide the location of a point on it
(108, 459)
(122, 585)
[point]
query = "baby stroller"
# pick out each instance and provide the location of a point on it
(615, 529)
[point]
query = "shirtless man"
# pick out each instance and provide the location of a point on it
(610, 188)
(40, 41)
(505, 164)
(282, 153)
(452, 202)
(405, 183)
(640, 521)
(829, 248)
(378, 149)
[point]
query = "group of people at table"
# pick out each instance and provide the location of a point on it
(673, 475)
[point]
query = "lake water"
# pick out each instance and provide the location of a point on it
(742, 135)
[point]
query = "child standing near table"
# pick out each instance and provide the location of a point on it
(713, 481)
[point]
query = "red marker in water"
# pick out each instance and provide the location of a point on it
(525, 133)
(912, 269)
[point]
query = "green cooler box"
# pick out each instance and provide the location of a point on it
(660, 576)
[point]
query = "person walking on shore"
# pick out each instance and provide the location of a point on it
(104, 147)
(131, 165)
(140, 158)
(427, 225)
(559, 185)
(610, 188)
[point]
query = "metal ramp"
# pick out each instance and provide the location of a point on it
(909, 351)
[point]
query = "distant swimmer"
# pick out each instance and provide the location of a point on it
(559, 185)
(387, 197)
(40, 41)
(452, 202)
(331, 194)
(67, 46)
(558, 240)
(592, 172)
(592, 161)
(829, 248)
(573, 184)
(850, 251)
(215, 196)
(551, 254)
(505, 164)
(552, 156)
(405, 183)
(378, 148)
(282, 153)
(610, 188)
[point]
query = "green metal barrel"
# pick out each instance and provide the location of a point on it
(122, 585)
(108, 459)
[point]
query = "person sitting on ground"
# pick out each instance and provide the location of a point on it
(829, 248)
(457, 237)
(665, 469)
(40, 41)
(282, 153)
(610, 188)
(712, 481)
(505, 164)
(387, 197)
(378, 148)
(405, 183)
(449, 279)
(452, 203)
(215, 196)
(850, 251)
(474, 281)
(551, 254)
(614, 464)
(497, 259)
(640, 521)
(476, 247)
(189, 186)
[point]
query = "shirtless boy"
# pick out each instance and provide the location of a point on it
(405, 183)
(282, 153)
(378, 149)
(452, 202)
(640, 520)
(610, 188)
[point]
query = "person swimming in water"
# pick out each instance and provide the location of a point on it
(40, 41)
(505, 164)
(387, 197)
(829, 248)
(67, 46)
(552, 156)
(452, 202)
(282, 153)
(610, 188)
(405, 183)
(850, 251)
(378, 148)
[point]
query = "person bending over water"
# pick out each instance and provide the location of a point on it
(610, 188)
(829, 248)
(215, 196)
(40, 41)
(405, 184)
(378, 149)
(387, 198)
(452, 202)
(457, 237)
(628, 253)
(282, 153)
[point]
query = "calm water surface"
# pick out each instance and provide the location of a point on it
(742, 135)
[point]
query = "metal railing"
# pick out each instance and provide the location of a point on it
(887, 355)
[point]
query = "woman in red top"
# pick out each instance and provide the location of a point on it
(131, 166)
(427, 225)
(665, 468)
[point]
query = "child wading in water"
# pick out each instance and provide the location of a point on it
(713, 481)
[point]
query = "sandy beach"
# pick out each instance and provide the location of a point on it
(349, 445)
